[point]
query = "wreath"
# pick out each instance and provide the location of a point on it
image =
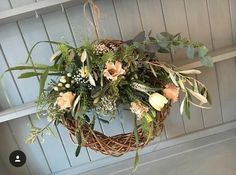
(90, 82)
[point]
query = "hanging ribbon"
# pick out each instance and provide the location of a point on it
(95, 15)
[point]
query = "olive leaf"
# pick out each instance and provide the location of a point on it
(197, 95)
(182, 106)
(173, 78)
(191, 71)
(91, 80)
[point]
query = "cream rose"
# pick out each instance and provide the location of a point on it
(65, 100)
(157, 101)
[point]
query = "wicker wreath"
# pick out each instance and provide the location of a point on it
(119, 144)
(102, 75)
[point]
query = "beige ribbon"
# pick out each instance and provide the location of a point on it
(95, 15)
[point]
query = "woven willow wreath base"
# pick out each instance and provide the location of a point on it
(119, 144)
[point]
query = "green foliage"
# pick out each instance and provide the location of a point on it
(99, 76)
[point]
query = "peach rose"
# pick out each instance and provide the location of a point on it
(171, 92)
(65, 100)
(112, 70)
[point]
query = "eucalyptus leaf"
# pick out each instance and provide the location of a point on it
(190, 52)
(140, 37)
(206, 61)
(202, 51)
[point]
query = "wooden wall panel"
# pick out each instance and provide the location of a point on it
(151, 16)
(53, 147)
(222, 37)
(232, 4)
(82, 29)
(63, 34)
(4, 5)
(130, 23)
(3, 169)
(108, 24)
(34, 153)
(8, 145)
(175, 17)
(209, 21)
(9, 98)
(18, 3)
(173, 26)
(53, 23)
(15, 55)
(71, 148)
(176, 22)
(199, 29)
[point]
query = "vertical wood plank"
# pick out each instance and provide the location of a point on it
(53, 147)
(16, 55)
(57, 27)
(211, 116)
(8, 97)
(71, 148)
(233, 18)
(174, 125)
(227, 84)
(17, 3)
(198, 22)
(156, 25)
(9, 145)
(4, 5)
(3, 169)
(222, 37)
(175, 17)
(20, 138)
(33, 31)
(130, 23)
(195, 122)
(34, 153)
(199, 28)
(109, 27)
(220, 23)
(151, 15)
(176, 21)
(82, 29)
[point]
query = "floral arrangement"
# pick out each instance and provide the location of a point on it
(90, 82)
